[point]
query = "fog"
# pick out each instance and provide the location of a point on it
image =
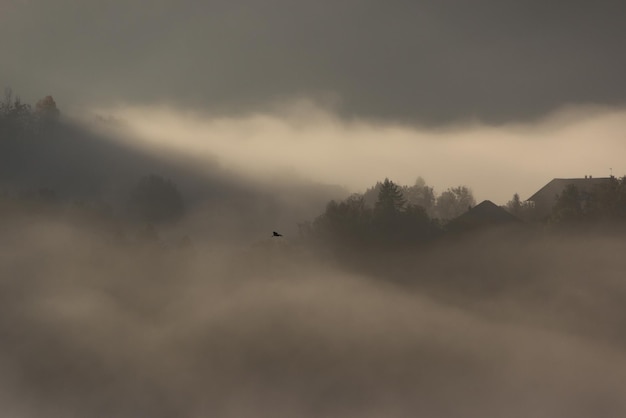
(501, 324)
(204, 313)
(179, 235)
(308, 139)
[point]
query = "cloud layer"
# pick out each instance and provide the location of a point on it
(427, 61)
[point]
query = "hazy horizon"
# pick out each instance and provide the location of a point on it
(303, 139)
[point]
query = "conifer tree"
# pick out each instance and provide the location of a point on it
(390, 198)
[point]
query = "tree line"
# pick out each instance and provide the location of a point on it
(18, 118)
(385, 214)
(398, 215)
(605, 203)
(448, 205)
(26, 131)
(390, 214)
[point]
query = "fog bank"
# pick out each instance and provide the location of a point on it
(125, 330)
(305, 139)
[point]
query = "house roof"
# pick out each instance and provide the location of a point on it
(556, 187)
(485, 213)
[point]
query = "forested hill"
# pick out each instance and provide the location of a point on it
(42, 153)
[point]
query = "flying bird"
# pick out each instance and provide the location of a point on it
(276, 234)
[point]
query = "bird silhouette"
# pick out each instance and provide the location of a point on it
(276, 234)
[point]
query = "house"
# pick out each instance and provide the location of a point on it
(485, 214)
(544, 199)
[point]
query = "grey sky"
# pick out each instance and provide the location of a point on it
(425, 61)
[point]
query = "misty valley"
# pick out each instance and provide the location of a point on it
(138, 282)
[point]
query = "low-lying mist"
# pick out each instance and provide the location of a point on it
(498, 325)
(139, 275)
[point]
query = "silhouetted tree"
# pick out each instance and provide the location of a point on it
(15, 116)
(608, 201)
(390, 198)
(391, 222)
(394, 222)
(344, 221)
(521, 209)
(454, 202)
(387, 211)
(515, 205)
(371, 194)
(568, 207)
(156, 200)
(420, 195)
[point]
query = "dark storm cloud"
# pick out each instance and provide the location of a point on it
(430, 60)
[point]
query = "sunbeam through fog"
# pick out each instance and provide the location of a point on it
(306, 140)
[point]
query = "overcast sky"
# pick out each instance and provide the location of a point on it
(499, 95)
(429, 60)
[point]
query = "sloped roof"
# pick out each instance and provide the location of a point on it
(485, 213)
(556, 187)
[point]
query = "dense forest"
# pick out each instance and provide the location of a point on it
(140, 284)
